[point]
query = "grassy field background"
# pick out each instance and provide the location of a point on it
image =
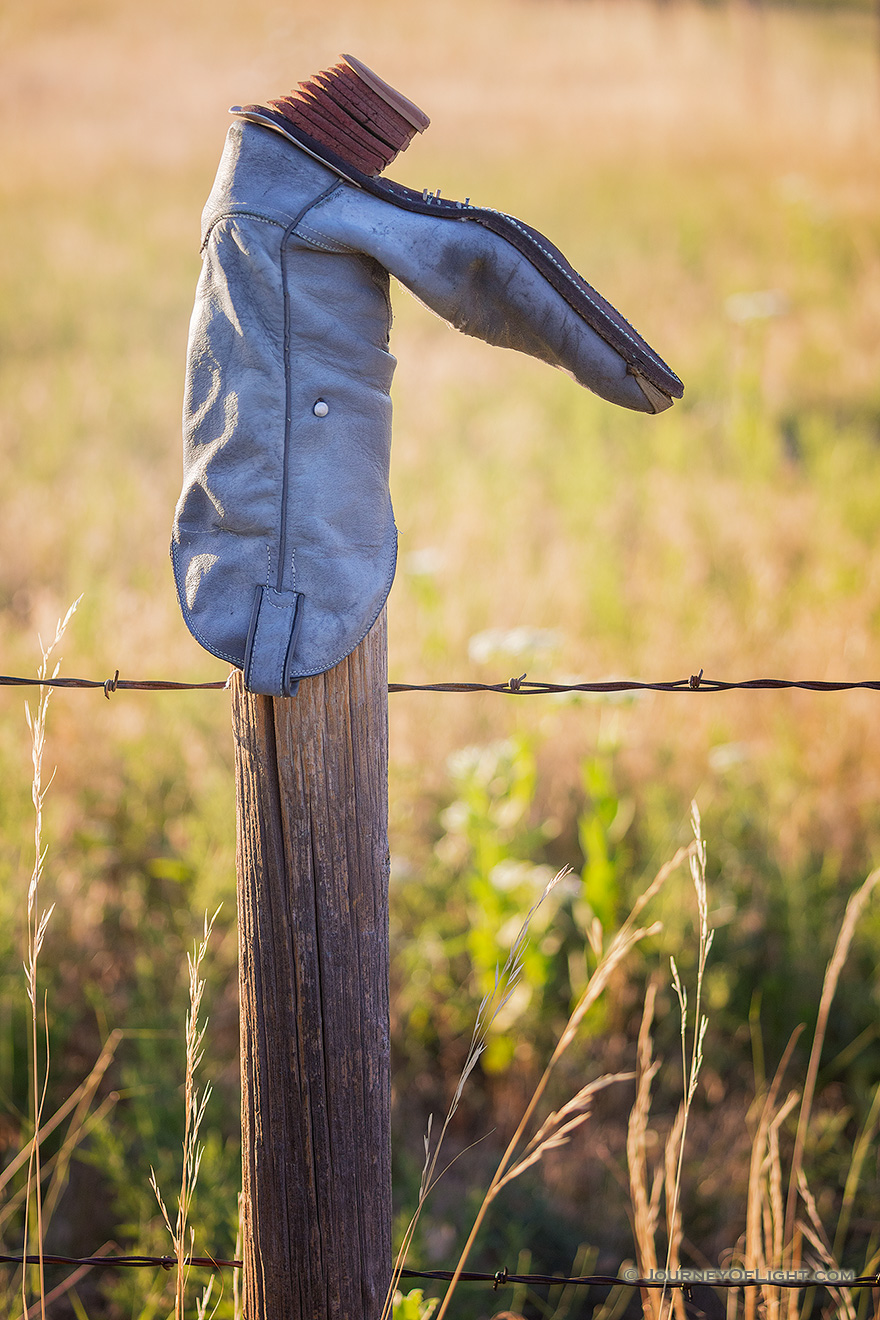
(713, 170)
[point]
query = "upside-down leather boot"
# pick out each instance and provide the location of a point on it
(284, 542)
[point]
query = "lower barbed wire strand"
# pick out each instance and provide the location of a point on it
(613, 1280)
(468, 1276)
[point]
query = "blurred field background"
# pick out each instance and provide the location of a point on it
(713, 170)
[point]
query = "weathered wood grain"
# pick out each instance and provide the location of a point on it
(312, 792)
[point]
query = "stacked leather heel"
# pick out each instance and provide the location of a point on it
(351, 111)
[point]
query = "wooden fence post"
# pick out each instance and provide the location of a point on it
(312, 794)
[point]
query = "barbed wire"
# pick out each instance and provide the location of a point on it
(726, 1279)
(114, 684)
(729, 1278)
(517, 687)
(524, 687)
(123, 1262)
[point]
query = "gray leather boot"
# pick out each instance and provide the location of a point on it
(284, 541)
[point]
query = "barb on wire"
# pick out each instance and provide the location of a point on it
(516, 687)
